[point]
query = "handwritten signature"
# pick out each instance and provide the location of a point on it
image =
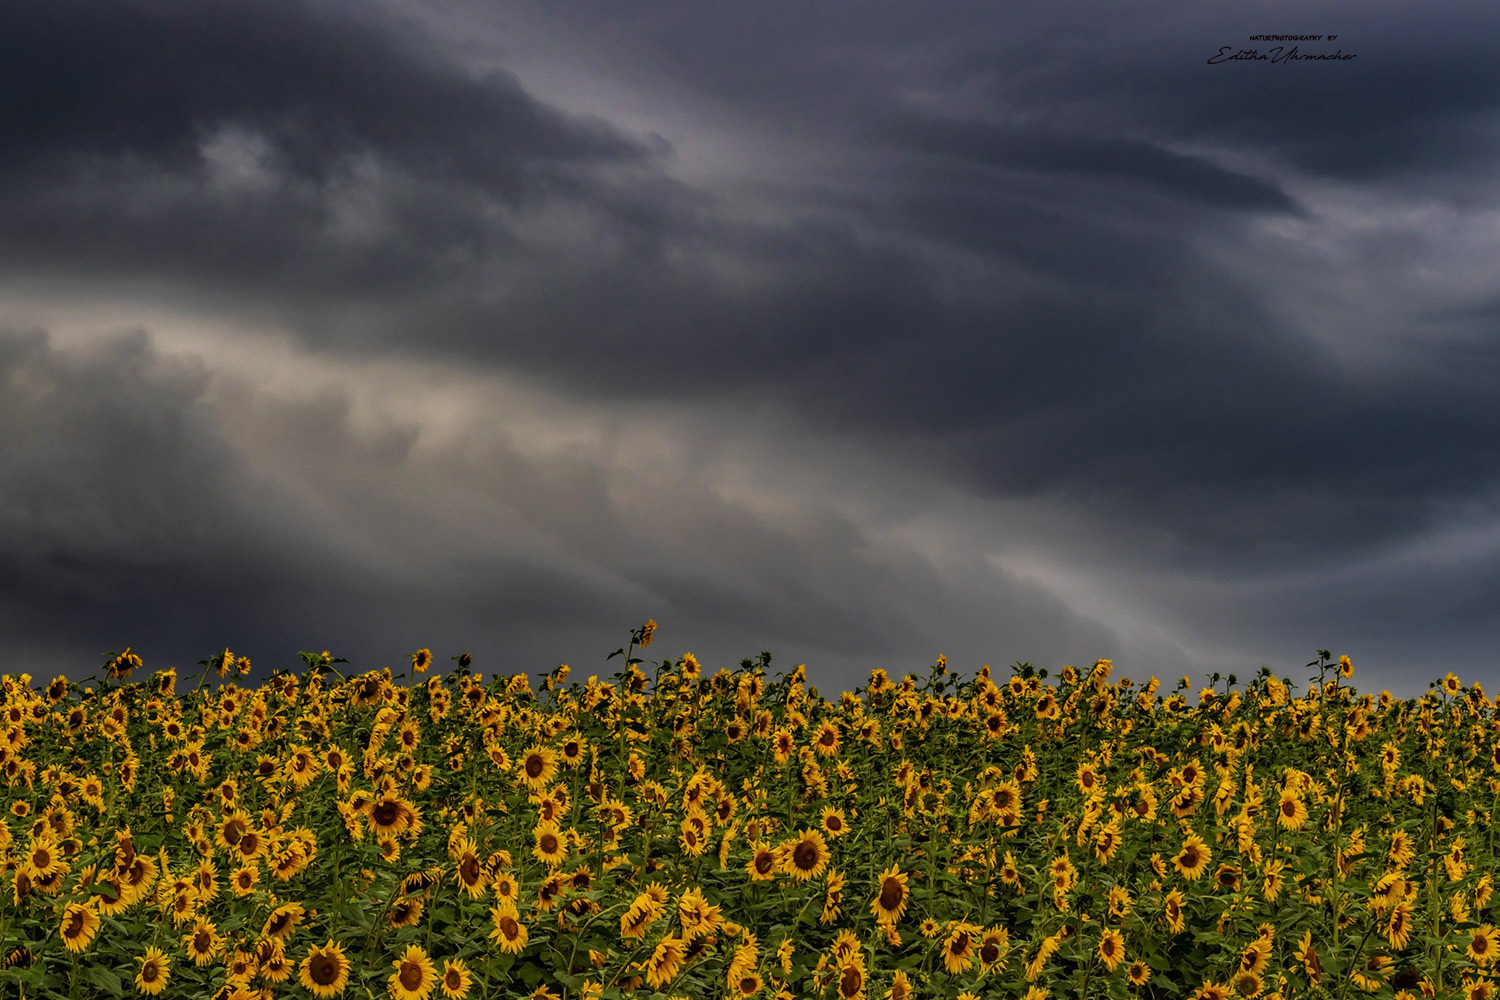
(1277, 55)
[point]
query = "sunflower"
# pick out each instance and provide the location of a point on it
(551, 847)
(1308, 956)
(806, 856)
(470, 873)
(325, 971)
(509, 933)
(1291, 814)
(992, 948)
(762, 865)
(1172, 907)
(852, 978)
(747, 984)
(1111, 948)
(1482, 946)
(890, 902)
(406, 912)
(413, 978)
(43, 858)
(834, 823)
(202, 942)
(245, 878)
(1193, 859)
(154, 972)
(271, 962)
(662, 966)
(456, 979)
(281, 921)
(958, 947)
(79, 925)
(900, 988)
(1246, 984)
(390, 815)
(826, 742)
(421, 660)
(1398, 927)
(537, 768)
(1138, 973)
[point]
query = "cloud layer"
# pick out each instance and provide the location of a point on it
(863, 339)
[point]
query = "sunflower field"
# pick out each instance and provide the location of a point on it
(671, 834)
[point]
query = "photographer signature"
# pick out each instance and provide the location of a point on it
(1277, 55)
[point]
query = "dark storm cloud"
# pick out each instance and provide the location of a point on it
(150, 79)
(147, 500)
(1033, 148)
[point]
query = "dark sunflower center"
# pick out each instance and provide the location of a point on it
(763, 863)
(509, 927)
(150, 972)
(324, 970)
(202, 941)
(411, 976)
(805, 857)
(534, 766)
(549, 843)
(891, 894)
(851, 982)
(960, 943)
(75, 926)
(452, 979)
(468, 870)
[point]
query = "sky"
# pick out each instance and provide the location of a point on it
(857, 332)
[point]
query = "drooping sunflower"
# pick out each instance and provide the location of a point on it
(662, 966)
(1308, 956)
(324, 972)
(406, 912)
(281, 921)
(900, 988)
(1398, 926)
(79, 925)
(414, 977)
(154, 972)
(992, 948)
(509, 934)
(958, 947)
(805, 856)
(890, 902)
(1172, 907)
